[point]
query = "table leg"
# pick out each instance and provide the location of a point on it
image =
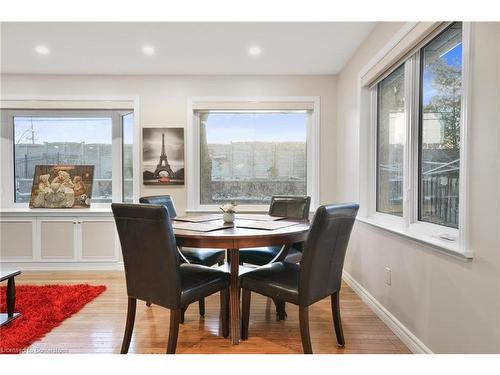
(11, 296)
(234, 297)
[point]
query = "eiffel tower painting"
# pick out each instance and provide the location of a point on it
(163, 164)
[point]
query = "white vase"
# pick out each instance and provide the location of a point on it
(228, 217)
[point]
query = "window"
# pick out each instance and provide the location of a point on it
(391, 125)
(247, 149)
(247, 157)
(439, 144)
(73, 137)
(418, 119)
(128, 163)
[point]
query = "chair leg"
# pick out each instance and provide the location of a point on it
(129, 326)
(11, 296)
(224, 311)
(173, 332)
(148, 303)
(304, 329)
(280, 309)
(337, 322)
(183, 313)
(245, 313)
(201, 306)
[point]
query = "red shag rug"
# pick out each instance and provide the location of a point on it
(42, 308)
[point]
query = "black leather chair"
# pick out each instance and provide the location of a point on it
(205, 257)
(294, 207)
(153, 270)
(319, 274)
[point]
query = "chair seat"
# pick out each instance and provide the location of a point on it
(263, 255)
(277, 280)
(199, 281)
(205, 257)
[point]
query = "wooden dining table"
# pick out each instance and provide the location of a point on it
(235, 238)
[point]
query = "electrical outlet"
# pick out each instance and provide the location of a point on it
(387, 275)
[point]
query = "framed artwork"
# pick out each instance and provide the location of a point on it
(62, 186)
(163, 156)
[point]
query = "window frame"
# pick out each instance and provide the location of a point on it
(51, 109)
(257, 104)
(409, 225)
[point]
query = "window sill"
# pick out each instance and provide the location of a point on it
(47, 212)
(443, 246)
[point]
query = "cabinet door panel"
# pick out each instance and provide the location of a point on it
(57, 239)
(16, 239)
(98, 239)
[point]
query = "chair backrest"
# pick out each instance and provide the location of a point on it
(324, 252)
(149, 253)
(164, 200)
(295, 207)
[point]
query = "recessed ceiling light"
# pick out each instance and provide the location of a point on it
(254, 51)
(42, 50)
(148, 50)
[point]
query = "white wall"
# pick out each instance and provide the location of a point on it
(163, 102)
(452, 306)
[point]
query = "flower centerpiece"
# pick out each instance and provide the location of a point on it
(229, 210)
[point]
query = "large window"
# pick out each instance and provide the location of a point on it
(249, 156)
(418, 120)
(74, 137)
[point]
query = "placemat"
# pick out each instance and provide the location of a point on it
(198, 218)
(259, 217)
(200, 227)
(265, 225)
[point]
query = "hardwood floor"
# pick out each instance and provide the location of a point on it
(99, 326)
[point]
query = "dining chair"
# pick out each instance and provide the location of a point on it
(153, 270)
(289, 206)
(318, 275)
(205, 257)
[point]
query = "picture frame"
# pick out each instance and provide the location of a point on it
(163, 160)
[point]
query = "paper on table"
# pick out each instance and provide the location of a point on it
(266, 225)
(200, 227)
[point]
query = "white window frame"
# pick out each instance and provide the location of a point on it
(193, 145)
(56, 107)
(409, 225)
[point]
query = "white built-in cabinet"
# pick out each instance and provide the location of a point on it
(34, 239)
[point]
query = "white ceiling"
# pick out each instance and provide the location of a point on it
(181, 48)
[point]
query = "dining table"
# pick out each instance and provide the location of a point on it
(250, 231)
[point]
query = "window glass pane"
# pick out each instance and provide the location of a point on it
(441, 75)
(128, 134)
(62, 140)
(391, 125)
(248, 157)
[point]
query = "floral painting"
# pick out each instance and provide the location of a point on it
(62, 186)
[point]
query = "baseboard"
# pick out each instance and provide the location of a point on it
(404, 334)
(64, 266)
